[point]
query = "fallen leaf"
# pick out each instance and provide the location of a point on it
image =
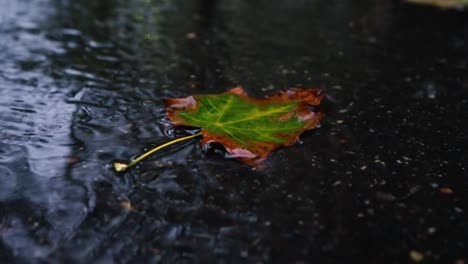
(444, 4)
(249, 128)
(446, 190)
(127, 205)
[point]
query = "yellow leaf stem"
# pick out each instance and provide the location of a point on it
(121, 166)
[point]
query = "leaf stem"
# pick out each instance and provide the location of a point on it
(121, 166)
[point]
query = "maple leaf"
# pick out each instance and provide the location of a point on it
(249, 128)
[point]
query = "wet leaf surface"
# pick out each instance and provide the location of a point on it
(247, 127)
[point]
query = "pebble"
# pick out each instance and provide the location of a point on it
(416, 256)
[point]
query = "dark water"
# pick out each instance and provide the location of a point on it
(81, 84)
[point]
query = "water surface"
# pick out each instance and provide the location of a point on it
(82, 83)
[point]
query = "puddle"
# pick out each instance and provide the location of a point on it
(82, 83)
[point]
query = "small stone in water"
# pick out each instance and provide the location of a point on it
(416, 256)
(191, 35)
(244, 254)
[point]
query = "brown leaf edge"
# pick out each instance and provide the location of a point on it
(257, 152)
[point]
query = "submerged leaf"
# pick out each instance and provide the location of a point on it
(249, 128)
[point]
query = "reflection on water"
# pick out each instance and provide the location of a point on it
(81, 84)
(35, 136)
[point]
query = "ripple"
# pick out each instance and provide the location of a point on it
(8, 183)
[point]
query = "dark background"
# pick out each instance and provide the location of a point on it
(383, 180)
